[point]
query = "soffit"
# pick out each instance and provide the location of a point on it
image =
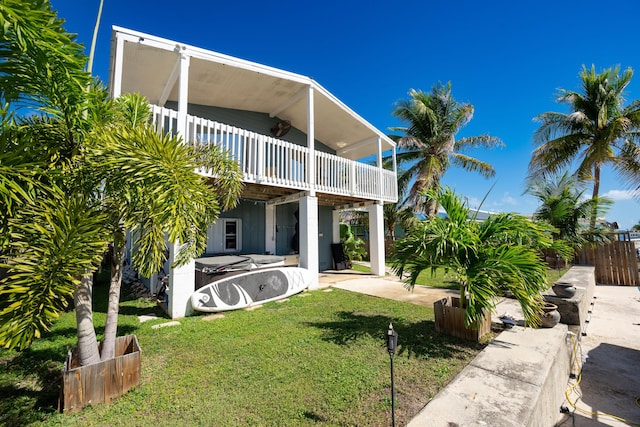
(151, 67)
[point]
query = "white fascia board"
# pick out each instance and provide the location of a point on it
(207, 55)
(356, 145)
(355, 115)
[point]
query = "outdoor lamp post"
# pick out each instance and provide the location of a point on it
(392, 342)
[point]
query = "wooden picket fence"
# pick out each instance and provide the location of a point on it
(616, 263)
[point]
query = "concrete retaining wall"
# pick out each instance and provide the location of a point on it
(574, 311)
(519, 379)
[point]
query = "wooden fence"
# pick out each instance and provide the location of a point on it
(616, 263)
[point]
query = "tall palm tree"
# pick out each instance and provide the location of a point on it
(428, 145)
(599, 130)
(564, 206)
(148, 183)
(99, 168)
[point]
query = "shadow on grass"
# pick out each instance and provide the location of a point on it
(30, 379)
(139, 311)
(418, 339)
(37, 374)
(36, 392)
(130, 303)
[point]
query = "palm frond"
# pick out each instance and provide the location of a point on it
(61, 240)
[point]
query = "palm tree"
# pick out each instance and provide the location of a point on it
(564, 206)
(148, 184)
(428, 146)
(500, 253)
(599, 130)
(104, 169)
(53, 236)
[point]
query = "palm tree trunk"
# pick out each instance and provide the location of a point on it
(463, 295)
(596, 190)
(88, 352)
(111, 325)
(431, 205)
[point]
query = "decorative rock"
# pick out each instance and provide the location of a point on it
(213, 317)
(146, 317)
(253, 307)
(328, 290)
(280, 301)
(162, 325)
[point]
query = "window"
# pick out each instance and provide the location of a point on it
(232, 235)
(225, 235)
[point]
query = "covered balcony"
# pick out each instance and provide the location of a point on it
(207, 97)
(269, 161)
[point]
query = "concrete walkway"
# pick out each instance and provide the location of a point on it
(610, 380)
(389, 287)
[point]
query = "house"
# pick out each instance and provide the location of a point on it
(298, 147)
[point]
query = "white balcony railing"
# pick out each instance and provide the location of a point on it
(267, 160)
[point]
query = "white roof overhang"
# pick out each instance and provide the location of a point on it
(151, 66)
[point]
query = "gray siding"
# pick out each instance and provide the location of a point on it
(325, 229)
(252, 215)
(285, 228)
(256, 122)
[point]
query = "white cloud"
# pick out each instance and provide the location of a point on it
(622, 194)
(509, 200)
(473, 202)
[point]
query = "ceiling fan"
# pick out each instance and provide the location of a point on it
(281, 128)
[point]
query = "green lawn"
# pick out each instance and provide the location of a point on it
(446, 280)
(318, 359)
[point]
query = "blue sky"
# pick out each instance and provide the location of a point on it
(507, 58)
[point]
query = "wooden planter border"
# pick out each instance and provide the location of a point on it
(450, 319)
(103, 381)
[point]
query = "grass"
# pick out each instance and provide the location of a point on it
(447, 280)
(318, 359)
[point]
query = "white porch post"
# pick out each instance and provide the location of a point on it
(181, 279)
(183, 95)
(308, 210)
(379, 164)
(335, 225)
(116, 86)
(270, 229)
(376, 238)
(311, 142)
(308, 223)
(181, 285)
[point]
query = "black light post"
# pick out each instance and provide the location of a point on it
(392, 342)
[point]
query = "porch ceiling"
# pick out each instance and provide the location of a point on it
(150, 66)
(265, 193)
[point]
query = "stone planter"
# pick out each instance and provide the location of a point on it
(102, 381)
(564, 289)
(551, 316)
(450, 319)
